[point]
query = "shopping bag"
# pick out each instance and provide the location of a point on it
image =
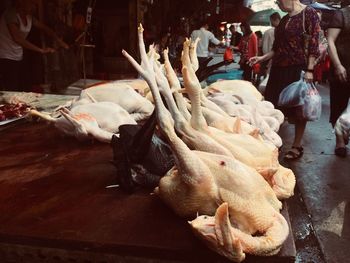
(256, 68)
(293, 95)
(342, 126)
(228, 55)
(312, 104)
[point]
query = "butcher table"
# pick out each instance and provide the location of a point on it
(55, 207)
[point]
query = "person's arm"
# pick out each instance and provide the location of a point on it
(235, 48)
(238, 47)
(259, 59)
(340, 71)
(313, 46)
(213, 39)
(254, 43)
(20, 40)
(193, 35)
(48, 31)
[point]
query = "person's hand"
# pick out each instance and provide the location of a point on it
(309, 77)
(47, 50)
(254, 60)
(340, 73)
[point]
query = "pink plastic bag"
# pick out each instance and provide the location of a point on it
(311, 108)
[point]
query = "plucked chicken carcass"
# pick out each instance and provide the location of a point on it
(120, 93)
(218, 234)
(268, 125)
(201, 181)
(99, 120)
(227, 101)
(139, 85)
(242, 88)
(228, 93)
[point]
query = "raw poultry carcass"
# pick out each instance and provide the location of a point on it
(225, 101)
(218, 234)
(99, 120)
(139, 85)
(243, 92)
(227, 124)
(268, 125)
(234, 105)
(201, 181)
(242, 88)
(120, 93)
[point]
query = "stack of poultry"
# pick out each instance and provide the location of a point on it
(224, 141)
(224, 169)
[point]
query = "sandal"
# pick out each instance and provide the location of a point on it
(294, 153)
(340, 151)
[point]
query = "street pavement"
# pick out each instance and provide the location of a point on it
(323, 183)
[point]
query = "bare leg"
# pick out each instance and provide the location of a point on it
(297, 150)
(339, 141)
(300, 126)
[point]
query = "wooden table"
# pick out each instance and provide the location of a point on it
(55, 207)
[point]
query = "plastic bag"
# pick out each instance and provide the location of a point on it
(311, 108)
(293, 95)
(228, 55)
(262, 85)
(342, 126)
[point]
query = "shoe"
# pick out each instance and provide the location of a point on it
(294, 153)
(340, 151)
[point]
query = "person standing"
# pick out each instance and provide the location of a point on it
(15, 24)
(338, 37)
(205, 37)
(269, 34)
(235, 36)
(162, 43)
(269, 38)
(294, 50)
(248, 47)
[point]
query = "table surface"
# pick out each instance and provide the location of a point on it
(53, 193)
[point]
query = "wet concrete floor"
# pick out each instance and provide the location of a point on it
(319, 210)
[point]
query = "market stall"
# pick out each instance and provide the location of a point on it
(162, 168)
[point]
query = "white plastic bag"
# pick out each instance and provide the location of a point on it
(312, 104)
(342, 126)
(263, 84)
(293, 95)
(304, 96)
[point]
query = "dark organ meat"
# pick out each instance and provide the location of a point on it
(10, 111)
